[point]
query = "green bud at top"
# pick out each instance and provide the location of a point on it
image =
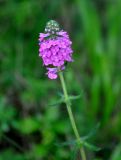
(52, 27)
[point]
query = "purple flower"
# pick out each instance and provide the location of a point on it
(54, 48)
(52, 73)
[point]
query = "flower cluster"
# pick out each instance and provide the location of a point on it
(55, 49)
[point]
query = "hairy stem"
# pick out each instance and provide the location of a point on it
(68, 104)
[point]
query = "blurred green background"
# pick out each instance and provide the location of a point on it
(29, 127)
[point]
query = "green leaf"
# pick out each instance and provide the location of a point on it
(91, 146)
(74, 153)
(83, 143)
(57, 102)
(69, 143)
(8, 154)
(39, 151)
(92, 132)
(27, 125)
(75, 97)
(116, 155)
(62, 100)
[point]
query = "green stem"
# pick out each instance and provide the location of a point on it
(68, 104)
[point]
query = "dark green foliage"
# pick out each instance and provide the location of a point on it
(29, 127)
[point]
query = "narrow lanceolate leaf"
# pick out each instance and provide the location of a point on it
(74, 153)
(83, 143)
(62, 100)
(75, 97)
(91, 133)
(91, 146)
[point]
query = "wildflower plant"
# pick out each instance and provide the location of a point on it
(55, 51)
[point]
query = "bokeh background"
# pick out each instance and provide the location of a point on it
(32, 129)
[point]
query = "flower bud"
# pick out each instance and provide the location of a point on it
(52, 27)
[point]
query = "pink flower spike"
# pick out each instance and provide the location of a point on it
(54, 48)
